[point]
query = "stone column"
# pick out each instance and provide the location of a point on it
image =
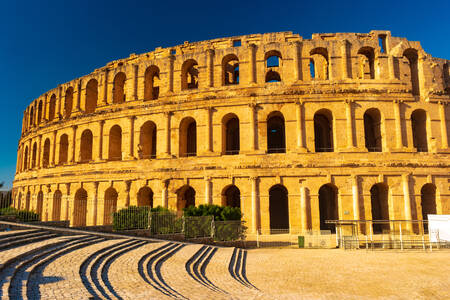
(167, 132)
(355, 194)
(39, 153)
(135, 81)
(59, 113)
(297, 61)
(407, 199)
(105, 88)
(52, 162)
(349, 123)
(252, 60)
(303, 206)
(95, 208)
(78, 105)
(210, 67)
(164, 193)
(391, 67)
(74, 139)
(299, 112)
(255, 204)
(128, 187)
(101, 123)
(209, 129)
(208, 199)
(131, 139)
(30, 154)
(444, 133)
(398, 125)
(67, 201)
(254, 128)
(345, 71)
(171, 73)
(45, 110)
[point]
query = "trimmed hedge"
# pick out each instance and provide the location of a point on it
(19, 215)
(220, 213)
(134, 217)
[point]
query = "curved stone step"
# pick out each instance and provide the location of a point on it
(12, 233)
(29, 240)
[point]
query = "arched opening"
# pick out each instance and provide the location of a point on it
(68, 102)
(80, 208)
(52, 108)
(46, 154)
(372, 130)
(31, 117)
(28, 201)
(230, 70)
(230, 133)
(419, 130)
(86, 146)
(25, 159)
(145, 197)
(273, 66)
(19, 201)
(39, 116)
(323, 131)
(278, 207)
(412, 57)
(40, 204)
(91, 96)
(446, 77)
(428, 202)
(231, 196)
(33, 161)
(119, 88)
(115, 143)
(185, 198)
(109, 205)
(366, 57)
(380, 206)
(276, 136)
(319, 62)
(328, 206)
(63, 149)
(151, 83)
(56, 212)
(189, 75)
(188, 137)
(147, 140)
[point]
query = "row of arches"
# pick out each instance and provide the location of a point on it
(276, 137)
(231, 196)
(318, 69)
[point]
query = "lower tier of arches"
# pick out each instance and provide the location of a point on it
(268, 202)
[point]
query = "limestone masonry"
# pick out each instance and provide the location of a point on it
(294, 131)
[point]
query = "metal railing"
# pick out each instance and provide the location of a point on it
(281, 238)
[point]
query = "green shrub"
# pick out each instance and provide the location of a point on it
(220, 213)
(134, 217)
(20, 215)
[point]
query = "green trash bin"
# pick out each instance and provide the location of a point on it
(301, 241)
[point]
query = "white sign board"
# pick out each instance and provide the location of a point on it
(439, 228)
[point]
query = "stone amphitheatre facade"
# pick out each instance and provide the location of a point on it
(294, 131)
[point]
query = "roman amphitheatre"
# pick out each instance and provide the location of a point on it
(295, 132)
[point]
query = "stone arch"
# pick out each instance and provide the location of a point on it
(151, 83)
(230, 69)
(372, 130)
(273, 60)
(276, 133)
(119, 88)
(145, 197)
(25, 159)
(52, 108)
(188, 137)
(68, 102)
(28, 201)
(56, 207)
(115, 143)
(86, 146)
(412, 56)
(323, 131)
(379, 194)
(34, 156)
(147, 140)
(40, 204)
(63, 148)
(91, 96)
(39, 115)
(46, 153)
(80, 208)
(230, 134)
(109, 205)
(19, 201)
(366, 57)
(189, 75)
(319, 62)
(428, 202)
(231, 196)
(31, 117)
(185, 198)
(419, 130)
(278, 207)
(328, 206)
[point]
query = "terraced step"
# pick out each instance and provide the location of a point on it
(32, 238)
(7, 234)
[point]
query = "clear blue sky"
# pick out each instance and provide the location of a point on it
(45, 43)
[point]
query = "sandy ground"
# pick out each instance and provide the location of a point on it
(355, 274)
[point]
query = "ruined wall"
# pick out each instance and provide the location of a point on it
(336, 81)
